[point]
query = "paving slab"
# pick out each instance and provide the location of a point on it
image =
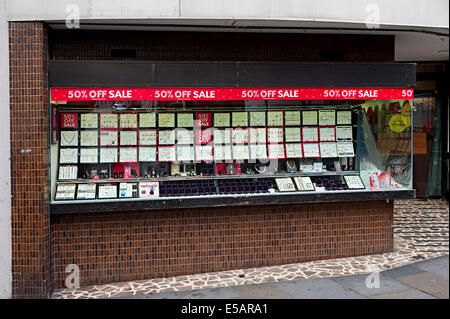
(429, 283)
(409, 293)
(438, 266)
(261, 291)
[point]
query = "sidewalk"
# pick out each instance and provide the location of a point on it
(422, 280)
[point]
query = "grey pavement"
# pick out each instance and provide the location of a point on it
(422, 280)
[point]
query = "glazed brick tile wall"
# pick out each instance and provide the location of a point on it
(114, 247)
(29, 159)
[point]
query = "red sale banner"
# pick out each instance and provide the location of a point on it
(228, 94)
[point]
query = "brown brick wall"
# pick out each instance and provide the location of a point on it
(29, 171)
(114, 247)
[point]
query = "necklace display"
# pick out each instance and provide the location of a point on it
(68, 155)
(69, 137)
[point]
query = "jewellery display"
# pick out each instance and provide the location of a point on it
(294, 150)
(147, 120)
(68, 155)
(257, 135)
(291, 118)
(231, 169)
(109, 154)
(204, 153)
(128, 138)
(128, 190)
(203, 119)
(239, 136)
(166, 154)
(343, 117)
(275, 118)
(148, 189)
(147, 154)
(185, 136)
(327, 133)
(311, 150)
(309, 117)
(128, 155)
(89, 138)
(276, 151)
(86, 191)
(185, 119)
(203, 136)
(88, 155)
(258, 151)
(291, 167)
(222, 153)
(221, 119)
(69, 138)
(89, 120)
(328, 150)
(275, 134)
(257, 118)
(239, 119)
(68, 172)
(166, 137)
(166, 120)
(107, 191)
(65, 191)
(327, 117)
(185, 153)
(344, 133)
(69, 120)
(292, 134)
(261, 169)
(109, 138)
(222, 136)
(304, 183)
(345, 149)
(354, 182)
(109, 120)
(285, 184)
(310, 134)
(148, 137)
(128, 120)
(240, 152)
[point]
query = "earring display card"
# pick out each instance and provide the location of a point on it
(203, 136)
(294, 150)
(167, 137)
(285, 184)
(88, 155)
(311, 150)
(166, 154)
(239, 119)
(293, 134)
(148, 189)
(147, 154)
(222, 153)
(185, 136)
(109, 120)
(258, 135)
(292, 118)
(69, 138)
(344, 133)
(328, 150)
(276, 151)
(258, 151)
(222, 136)
(203, 119)
(89, 120)
(185, 119)
(327, 133)
(275, 118)
(310, 134)
(327, 117)
(109, 154)
(147, 120)
(185, 153)
(68, 172)
(354, 182)
(128, 138)
(345, 149)
(128, 190)
(343, 117)
(257, 118)
(221, 119)
(68, 156)
(304, 183)
(89, 138)
(166, 120)
(275, 134)
(128, 120)
(239, 136)
(107, 191)
(148, 137)
(128, 155)
(309, 117)
(241, 152)
(86, 191)
(204, 153)
(65, 191)
(69, 120)
(109, 138)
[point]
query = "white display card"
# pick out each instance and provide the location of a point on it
(292, 118)
(185, 119)
(89, 138)
(147, 154)
(285, 184)
(185, 153)
(166, 120)
(128, 155)
(304, 183)
(166, 137)
(258, 135)
(294, 150)
(69, 138)
(109, 138)
(126, 190)
(258, 151)
(222, 136)
(148, 189)
(68, 172)
(185, 136)
(310, 134)
(344, 133)
(239, 136)
(128, 120)
(343, 117)
(89, 120)
(239, 119)
(86, 191)
(221, 119)
(327, 134)
(109, 155)
(275, 134)
(222, 152)
(327, 117)
(109, 120)
(241, 152)
(309, 117)
(328, 150)
(107, 191)
(88, 155)
(148, 137)
(65, 191)
(68, 155)
(147, 120)
(128, 138)
(292, 134)
(345, 149)
(276, 151)
(204, 153)
(257, 118)
(354, 182)
(167, 154)
(275, 118)
(311, 150)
